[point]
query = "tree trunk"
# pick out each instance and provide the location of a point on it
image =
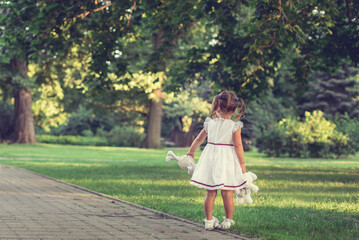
(178, 137)
(153, 138)
(24, 121)
(24, 131)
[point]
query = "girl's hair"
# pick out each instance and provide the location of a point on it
(227, 102)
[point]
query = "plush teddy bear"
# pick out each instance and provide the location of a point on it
(244, 195)
(184, 161)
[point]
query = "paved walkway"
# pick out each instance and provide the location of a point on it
(38, 207)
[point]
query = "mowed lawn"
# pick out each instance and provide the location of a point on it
(298, 198)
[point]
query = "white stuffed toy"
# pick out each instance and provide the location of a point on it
(184, 161)
(244, 195)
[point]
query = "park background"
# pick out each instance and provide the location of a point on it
(142, 74)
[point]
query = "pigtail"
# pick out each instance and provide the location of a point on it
(227, 102)
(215, 107)
(241, 110)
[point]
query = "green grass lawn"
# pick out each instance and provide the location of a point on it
(298, 198)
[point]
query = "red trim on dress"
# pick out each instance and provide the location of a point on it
(206, 184)
(218, 184)
(221, 144)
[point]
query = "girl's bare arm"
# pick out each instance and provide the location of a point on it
(238, 148)
(198, 141)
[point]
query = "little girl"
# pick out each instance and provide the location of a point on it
(221, 164)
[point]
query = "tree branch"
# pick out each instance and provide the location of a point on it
(280, 9)
(271, 44)
(83, 15)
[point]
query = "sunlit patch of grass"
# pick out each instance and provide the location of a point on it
(298, 198)
(63, 164)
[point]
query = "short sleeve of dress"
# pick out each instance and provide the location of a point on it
(205, 124)
(236, 126)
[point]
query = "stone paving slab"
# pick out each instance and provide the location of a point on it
(38, 207)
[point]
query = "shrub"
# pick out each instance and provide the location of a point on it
(259, 117)
(130, 136)
(72, 140)
(350, 127)
(272, 142)
(87, 133)
(83, 123)
(341, 145)
(313, 137)
(100, 132)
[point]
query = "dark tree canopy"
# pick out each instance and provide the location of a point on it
(334, 93)
(249, 45)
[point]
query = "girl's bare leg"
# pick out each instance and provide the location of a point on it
(209, 203)
(227, 196)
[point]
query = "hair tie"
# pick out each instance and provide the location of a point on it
(219, 96)
(237, 99)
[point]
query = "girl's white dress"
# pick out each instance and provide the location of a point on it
(218, 166)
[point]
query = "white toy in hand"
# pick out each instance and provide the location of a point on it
(244, 195)
(184, 161)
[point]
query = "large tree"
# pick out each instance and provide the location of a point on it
(168, 21)
(28, 30)
(40, 30)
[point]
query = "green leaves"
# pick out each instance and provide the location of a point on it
(313, 137)
(5, 59)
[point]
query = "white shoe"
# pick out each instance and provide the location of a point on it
(226, 224)
(211, 224)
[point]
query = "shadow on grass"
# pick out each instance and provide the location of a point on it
(171, 172)
(113, 171)
(295, 223)
(305, 174)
